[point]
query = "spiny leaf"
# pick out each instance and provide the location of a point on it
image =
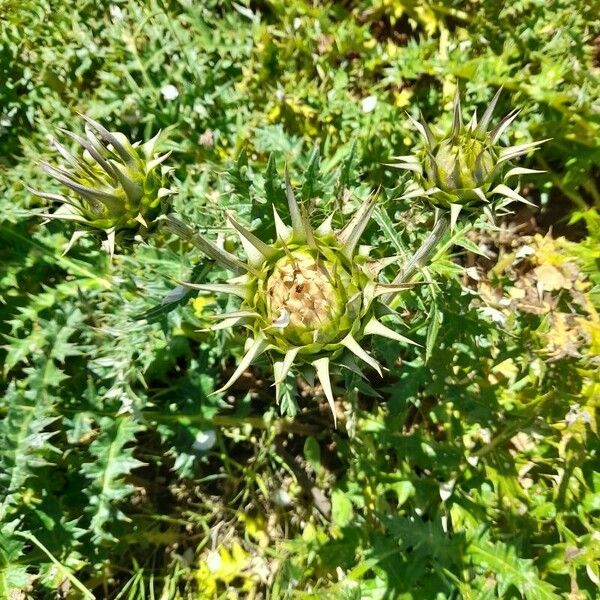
(311, 175)
(510, 569)
(434, 321)
(24, 434)
(272, 184)
(13, 573)
(113, 459)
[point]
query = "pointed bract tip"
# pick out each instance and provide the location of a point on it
(454, 213)
(489, 111)
(298, 225)
(258, 347)
(321, 366)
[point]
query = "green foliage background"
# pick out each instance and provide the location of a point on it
(470, 471)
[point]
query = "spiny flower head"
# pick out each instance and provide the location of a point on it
(114, 186)
(466, 167)
(308, 298)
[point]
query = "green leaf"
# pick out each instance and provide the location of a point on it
(113, 460)
(272, 183)
(434, 321)
(287, 391)
(311, 175)
(346, 169)
(403, 489)
(312, 453)
(389, 230)
(24, 434)
(178, 296)
(509, 569)
(341, 509)
(13, 573)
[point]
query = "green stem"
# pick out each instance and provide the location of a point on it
(280, 425)
(62, 569)
(422, 255)
(590, 187)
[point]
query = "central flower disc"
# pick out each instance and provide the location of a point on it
(302, 290)
(306, 298)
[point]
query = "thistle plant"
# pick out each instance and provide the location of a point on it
(309, 298)
(466, 168)
(313, 296)
(114, 187)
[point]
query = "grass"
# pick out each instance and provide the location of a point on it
(470, 470)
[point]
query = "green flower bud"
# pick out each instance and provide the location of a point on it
(114, 186)
(466, 167)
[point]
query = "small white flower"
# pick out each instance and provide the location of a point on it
(473, 460)
(446, 489)
(369, 103)
(575, 413)
(205, 440)
(200, 109)
(281, 497)
(116, 13)
(485, 435)
(473, 273)
(493, 314)
(169, 92)
(524, 252)
(213, 561)
(260, 567)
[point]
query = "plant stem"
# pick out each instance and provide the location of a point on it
(421, 256)
(424, 252)
(61, 568)
(280, 425)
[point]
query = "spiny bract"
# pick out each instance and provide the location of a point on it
(464, 168)
(119, 188)
(309, 297)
